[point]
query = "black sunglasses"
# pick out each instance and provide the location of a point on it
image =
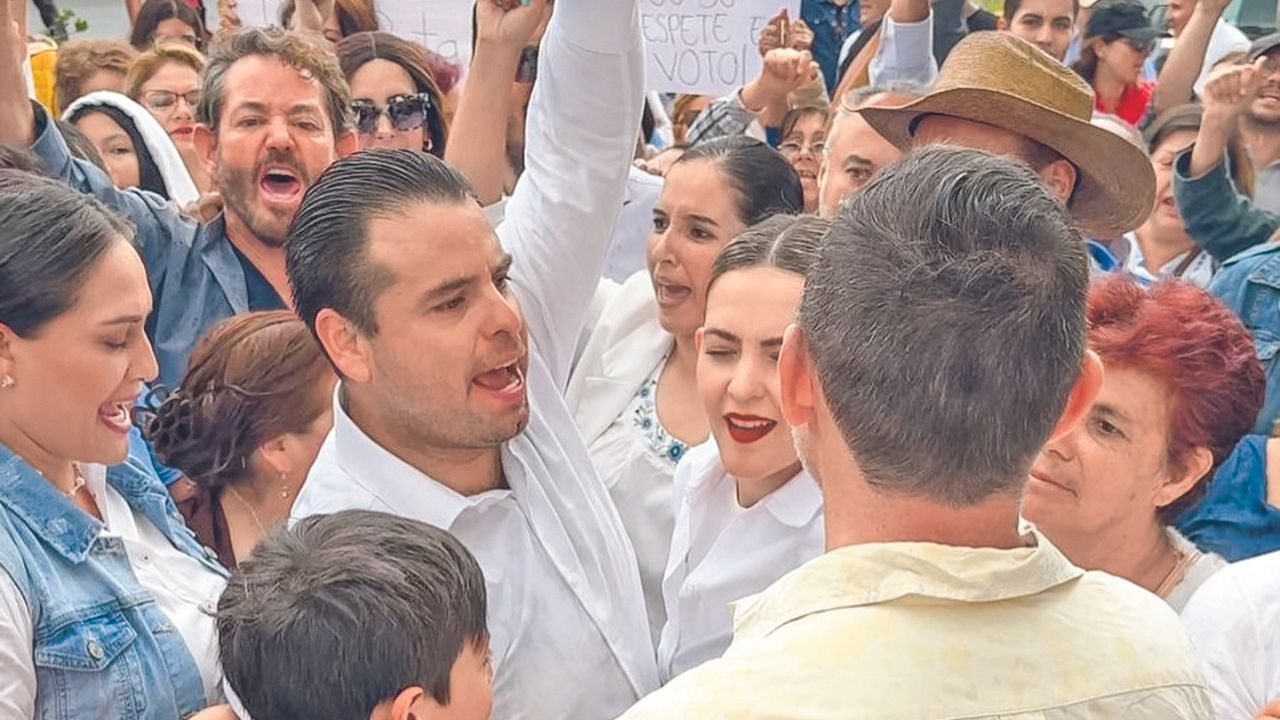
(406, 112)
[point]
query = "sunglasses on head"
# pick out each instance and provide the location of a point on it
(405, 112)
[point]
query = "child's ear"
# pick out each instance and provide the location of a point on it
(406, 705)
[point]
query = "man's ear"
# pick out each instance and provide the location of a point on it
(797, 383)
(1060, 177)
(1083, 393)
(345, 345)
(205, 140)
(1002, 25)
(347, 144)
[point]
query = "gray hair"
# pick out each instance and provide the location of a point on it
(306, 56)
(854, 100)
(946, 322)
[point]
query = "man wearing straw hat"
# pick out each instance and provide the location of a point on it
(999, 93)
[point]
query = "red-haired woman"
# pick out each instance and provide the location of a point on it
(1182, 386)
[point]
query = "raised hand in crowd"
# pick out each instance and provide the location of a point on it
(1183, 66)
(16, 127)
(478, 142)
(228, 17)
(784, 71)
(310, 15)
(1226, 96)
(783, 32)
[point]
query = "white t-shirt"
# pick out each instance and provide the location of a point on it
(185, 591)
(1234, 623)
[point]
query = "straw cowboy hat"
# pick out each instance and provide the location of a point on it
(1002, 80)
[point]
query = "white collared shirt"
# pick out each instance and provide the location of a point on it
(566, 614)
(1200, 271)
(722, 553)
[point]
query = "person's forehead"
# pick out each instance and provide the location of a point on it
(1046, 8)
(969, 133)
(272, 80)
(458, 236)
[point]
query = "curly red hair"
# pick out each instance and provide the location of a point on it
(1198, 348)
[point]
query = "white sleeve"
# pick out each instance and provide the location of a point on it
(17, 643)
(581, 135)
(905, 53)
(1223, 626)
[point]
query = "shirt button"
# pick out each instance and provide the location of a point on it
(95, 650)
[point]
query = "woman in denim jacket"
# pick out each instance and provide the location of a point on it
(103, 590)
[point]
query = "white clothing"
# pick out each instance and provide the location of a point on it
(905, 53)
(1234, 624)
(722, 553)
(1199, 272)
(566, 610)
(1203, 566)
(1225, 40)
(184, 590)
(635, 225)
(163, 152)
(624, 345)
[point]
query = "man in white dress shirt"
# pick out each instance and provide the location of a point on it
(454, 346)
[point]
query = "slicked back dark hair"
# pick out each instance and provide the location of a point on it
(339, 613)
(765, 182)
(946, 322)
(325, 253)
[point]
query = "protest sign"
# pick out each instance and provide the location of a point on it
(706, 47)
(443, 26)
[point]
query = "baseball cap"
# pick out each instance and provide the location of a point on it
(1126, 18)
(1264, 45)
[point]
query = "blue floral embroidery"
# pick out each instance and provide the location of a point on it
(644, 414)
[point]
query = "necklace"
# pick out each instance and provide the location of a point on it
(249, 507)
(76, 486)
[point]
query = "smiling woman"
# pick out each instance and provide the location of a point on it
(88, 632)
(633, 390)
(747, 513)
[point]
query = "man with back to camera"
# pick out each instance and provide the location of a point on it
(930, 602)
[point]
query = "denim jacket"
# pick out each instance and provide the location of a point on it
(103, 649)
(1249, 284)
(1219, 219)
(195, 277)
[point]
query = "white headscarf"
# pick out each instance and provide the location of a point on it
(165, 154)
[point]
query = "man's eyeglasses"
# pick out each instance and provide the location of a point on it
(405, 112)
(162, 100)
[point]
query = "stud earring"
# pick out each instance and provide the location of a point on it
(7, 382)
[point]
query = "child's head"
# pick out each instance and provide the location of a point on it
(357, 616)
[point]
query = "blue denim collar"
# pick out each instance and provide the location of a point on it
(59, 522)
(48, 513)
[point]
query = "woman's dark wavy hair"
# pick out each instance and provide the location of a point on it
(766, 183)
(254, 377)
(51, 238)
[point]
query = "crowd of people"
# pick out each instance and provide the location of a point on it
(929, 374)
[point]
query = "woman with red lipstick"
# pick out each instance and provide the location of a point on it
(1182, 386)
(166, 81)
(633, 390)
(103, 589)
(1161, 248)
(746, 512)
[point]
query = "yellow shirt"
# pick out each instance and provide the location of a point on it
(917, 631)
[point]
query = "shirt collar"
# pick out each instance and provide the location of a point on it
(795, 503)
(874, 573)
(395, 482)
